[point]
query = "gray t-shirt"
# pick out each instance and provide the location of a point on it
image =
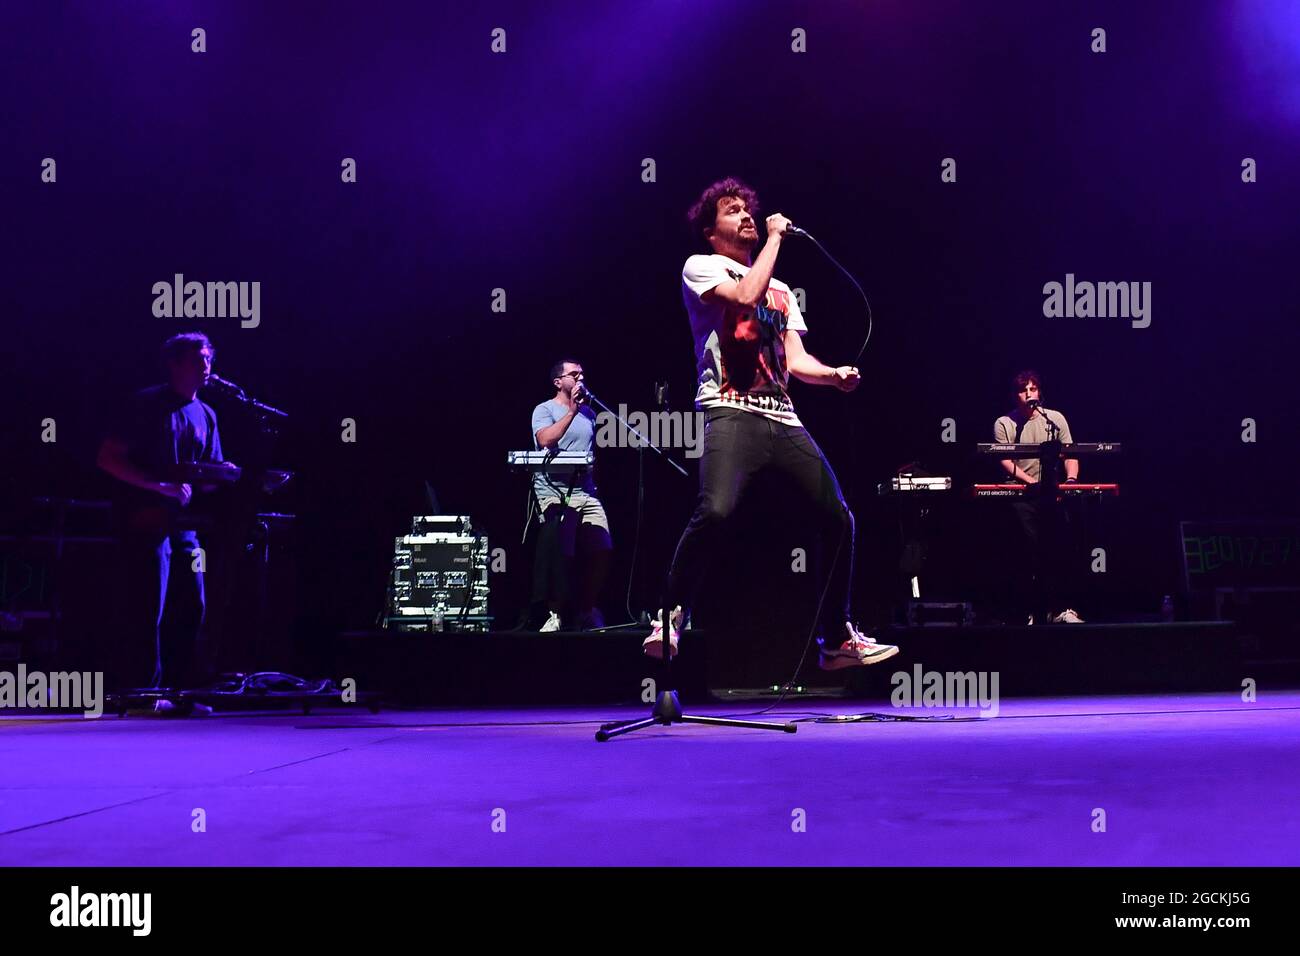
(1014, 428)
(580, 436)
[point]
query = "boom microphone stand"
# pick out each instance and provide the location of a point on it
(668, 708)
(645, 442)
(243, 532)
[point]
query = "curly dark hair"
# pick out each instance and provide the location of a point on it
(704, 214)
(1024, 378)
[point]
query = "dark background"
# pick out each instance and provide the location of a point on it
(522, 171)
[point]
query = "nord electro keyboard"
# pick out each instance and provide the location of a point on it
(1072, 489)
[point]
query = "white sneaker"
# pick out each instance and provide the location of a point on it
(858, 651)
(552, 624)
(653, 646)
(1068, 616)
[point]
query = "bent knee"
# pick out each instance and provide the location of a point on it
(839, 517)
(713, 511)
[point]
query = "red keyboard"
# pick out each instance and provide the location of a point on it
(1017, 490)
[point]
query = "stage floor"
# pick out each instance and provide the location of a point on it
(1196, 779)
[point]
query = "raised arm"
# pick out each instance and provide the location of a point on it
(549, 437)
(748, 291)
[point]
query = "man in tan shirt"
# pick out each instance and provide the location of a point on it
(1031, 423)
(1040, 522)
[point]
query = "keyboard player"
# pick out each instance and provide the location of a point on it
(1044, 531)
(158, 432)
(1030, 423)
(574, 546)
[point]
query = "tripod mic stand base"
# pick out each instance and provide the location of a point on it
(668, 711)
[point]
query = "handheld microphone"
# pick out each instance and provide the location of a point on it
(793, 230)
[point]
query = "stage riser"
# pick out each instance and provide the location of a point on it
(525, 669)
(507, 668)
(1076, 659)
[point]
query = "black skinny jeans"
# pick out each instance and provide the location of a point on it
(737, 446)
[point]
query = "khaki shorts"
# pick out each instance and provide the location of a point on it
(588, 507)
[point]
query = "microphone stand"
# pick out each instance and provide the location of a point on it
(263, 411)
(1049, 483)
(1049, 476)
(645, 442)
(668, 708)
(242, 528)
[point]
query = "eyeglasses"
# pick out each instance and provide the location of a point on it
(576, 375)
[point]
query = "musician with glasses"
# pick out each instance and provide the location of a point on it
(574, 545)
(1044, 526)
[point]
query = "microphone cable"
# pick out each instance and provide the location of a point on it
(857, 285)
(812, 633)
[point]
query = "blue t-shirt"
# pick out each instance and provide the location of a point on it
(580, 436)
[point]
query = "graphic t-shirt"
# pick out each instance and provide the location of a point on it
(580, 436)
(740, 356)
(1014, 427)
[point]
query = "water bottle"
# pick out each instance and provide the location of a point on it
(1167, 609)
(436, 625)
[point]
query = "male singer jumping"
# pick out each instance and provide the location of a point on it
(748, 341)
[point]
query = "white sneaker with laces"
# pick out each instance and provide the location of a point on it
(858, 651)
(653, 646)
(552, 624)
